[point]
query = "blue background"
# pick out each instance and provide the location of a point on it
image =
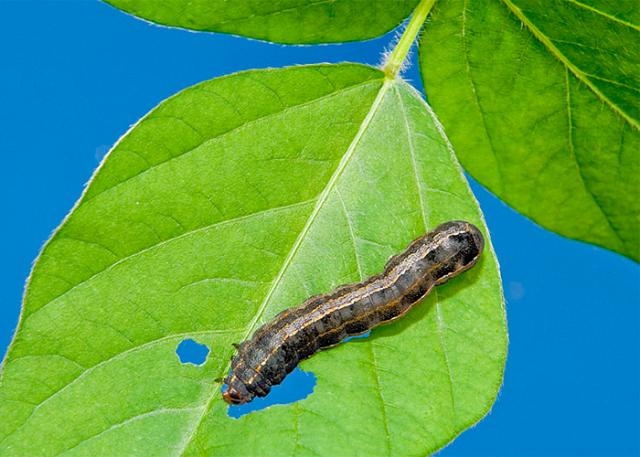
(74, 75)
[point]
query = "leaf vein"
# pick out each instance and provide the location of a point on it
(476, 98)
(170, 240)
(276, 12)
(114, 357)
(372, 355)
(572, 151)
(130, 420)
(236, 128)
(582, 76)
(602, 13)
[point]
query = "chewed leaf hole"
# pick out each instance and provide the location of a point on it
(297, 386)
(190, 351)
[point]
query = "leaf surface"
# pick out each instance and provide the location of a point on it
(541, 101)
(229, 202)
(281, 21)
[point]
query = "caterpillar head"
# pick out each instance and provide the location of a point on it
(236, 393)
(457, 246)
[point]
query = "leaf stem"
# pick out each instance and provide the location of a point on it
(399, 54)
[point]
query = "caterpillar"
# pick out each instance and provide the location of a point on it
(323, 321)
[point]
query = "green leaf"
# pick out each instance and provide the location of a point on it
(280, 21)
(541, 100)
(229, 202)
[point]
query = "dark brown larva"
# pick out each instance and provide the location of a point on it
(322, 321)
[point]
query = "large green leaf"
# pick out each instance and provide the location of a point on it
(541, 100)
(281, 21)
(233, 200)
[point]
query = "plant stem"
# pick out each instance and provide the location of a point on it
(399, 54)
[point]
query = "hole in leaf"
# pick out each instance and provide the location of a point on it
(297, 386)
(190, 351)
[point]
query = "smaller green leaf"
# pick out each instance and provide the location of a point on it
(280, 21)
(541, 100)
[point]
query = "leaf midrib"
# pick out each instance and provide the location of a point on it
(582, 76)
(346, 158)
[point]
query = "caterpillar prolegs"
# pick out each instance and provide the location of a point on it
(322, 321)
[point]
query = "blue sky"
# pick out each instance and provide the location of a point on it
(76, 74)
